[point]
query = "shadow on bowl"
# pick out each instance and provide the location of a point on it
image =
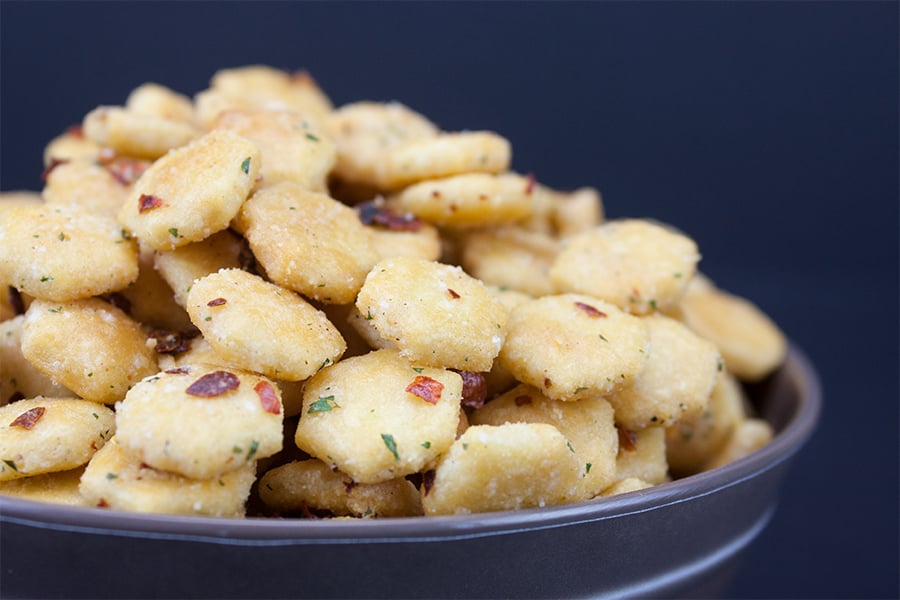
(678, 539)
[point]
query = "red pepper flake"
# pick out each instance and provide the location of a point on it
(375, 213)
(214, 384)
(590, 310)
(529, 185)
(547, 382)
(627, 439)
(14, 297)
(125, 170)
(426, 388)
(216, 302)
(102, 503)
(435, 194)
(148, 202)
(428, 481)
(178, 371)
(474, 389)
(54, 162)
(29, 418)
(453, 293)
(522, 400)
(75, 130)
(267, 397)
(170, 342)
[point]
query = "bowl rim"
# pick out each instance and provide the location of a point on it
(274, 531)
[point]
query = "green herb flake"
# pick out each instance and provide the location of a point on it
(221, 483)
(587, 468)
(46, 278)
(652, 304)
(465, 446)
(62, 236)
(95, 415)
(426, 445)
(207, 318)
(418, 369)
(719, 366)
(391, 445)
(569, 446)
(245, 166)
(237, 450)
(91, 374)
(254, 446)
(677, 275)
(324, 364)
(112, 476)
(55, 310)
(311, 137)
(11, 464)
(173, 231)
(602, 337)
(323, 404)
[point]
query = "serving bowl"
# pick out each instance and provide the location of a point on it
(677, 539)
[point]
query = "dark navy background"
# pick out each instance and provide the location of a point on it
(767, 130)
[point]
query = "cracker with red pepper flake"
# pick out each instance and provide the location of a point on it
(17, 375)
(87, 185)
(199, 187)
(572, 346)
(468, 200)
(46, 435)
(364, 131)
(505, 467)
(751, 344)
(308, 242)
(442, 156)
(360, 416)
(116, 480)
(645, 459)
(638, 265)
(295, 148)
(200, 421)
(692, 441)
(263, 327)
(90, 346)
(675, 384)
(434, 313)
(511, 257)
(588, 425)
(312, 483)
(134, 134)
(63, 252)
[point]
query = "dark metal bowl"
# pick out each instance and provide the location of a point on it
(678, 539)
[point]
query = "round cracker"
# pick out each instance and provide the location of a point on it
(263, 327)
(63, 253)
(572, 346)
(637, 265)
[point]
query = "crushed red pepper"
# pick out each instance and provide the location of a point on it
(377, 214)
(29, 418)
(428, 481)
(214, 384)
(453, 293)
(216, 302)
(178, 371)
(474, 389)
(529, 185)
(627, 439)
(54, 162)
(590, 310)
(426, 388)
(522, 400)
(170, 342)
(267, 397)
(148, 202)
(125, 170)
